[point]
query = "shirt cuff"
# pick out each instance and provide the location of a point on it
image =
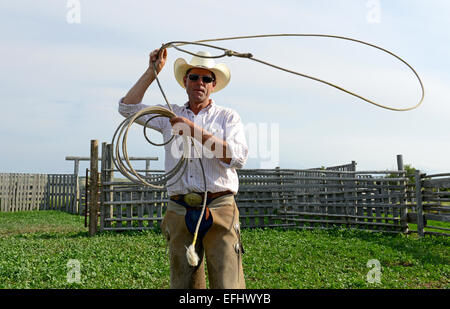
(127, 110)
(236, 162)
(226, 165)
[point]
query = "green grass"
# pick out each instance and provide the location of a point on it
(36, 246)
(446, 225)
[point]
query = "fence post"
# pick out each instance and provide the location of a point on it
(400, 162)
(76, 202)
(109, 165)
(86, 197)
(404, 209)
(353, 168)
(107, 176)
(280, 204)
(93, 189)
(102, 180)
(419, 206)
(48, 196)
(147, 167)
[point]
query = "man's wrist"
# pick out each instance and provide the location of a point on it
(149, 74)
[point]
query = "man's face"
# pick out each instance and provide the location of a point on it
(198, 91)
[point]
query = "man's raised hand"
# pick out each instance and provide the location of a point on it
(160, 62)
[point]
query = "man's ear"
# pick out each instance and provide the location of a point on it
(184, 80)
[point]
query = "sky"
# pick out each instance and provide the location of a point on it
(64, 65)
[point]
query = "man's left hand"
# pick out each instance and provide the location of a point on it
(182, 125)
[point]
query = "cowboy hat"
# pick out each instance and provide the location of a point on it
(220, 70)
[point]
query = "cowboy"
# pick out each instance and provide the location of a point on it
(218, 140)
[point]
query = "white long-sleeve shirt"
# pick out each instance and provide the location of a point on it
(222, 122)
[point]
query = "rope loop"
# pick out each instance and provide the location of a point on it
(249, 56)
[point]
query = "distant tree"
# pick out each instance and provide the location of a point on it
(410, 173)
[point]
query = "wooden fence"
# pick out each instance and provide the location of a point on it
(61, 193)
(21, 192)
(66, 192)
(307, 199)
(327, 198)
(301, 199)
(431, 203)
(80, 181)
(323, 198)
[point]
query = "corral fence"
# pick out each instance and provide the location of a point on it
(321, 198)
(431, 203)
(81, 182)
(65, 192)
(324, 199)
(21, 192)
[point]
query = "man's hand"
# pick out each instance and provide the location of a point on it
(160, 62)
(181, 126)
(136, 93)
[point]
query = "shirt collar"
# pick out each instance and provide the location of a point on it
(207, 109)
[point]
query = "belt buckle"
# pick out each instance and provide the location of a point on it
(193, 199)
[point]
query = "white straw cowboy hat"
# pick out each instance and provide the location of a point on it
(220, 70)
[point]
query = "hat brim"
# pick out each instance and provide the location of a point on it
(220, 70)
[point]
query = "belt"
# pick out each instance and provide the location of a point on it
(186, 198)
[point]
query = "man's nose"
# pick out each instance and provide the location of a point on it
(200, 80)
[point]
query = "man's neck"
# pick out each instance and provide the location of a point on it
(197, 107)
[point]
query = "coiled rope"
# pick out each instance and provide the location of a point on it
(121, 161)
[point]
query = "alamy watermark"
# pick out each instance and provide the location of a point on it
(264, 143)
(374, 274)
(374, 11)
(262, 140)
(73, 15)
(74, 271)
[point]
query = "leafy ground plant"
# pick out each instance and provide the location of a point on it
(38, 251)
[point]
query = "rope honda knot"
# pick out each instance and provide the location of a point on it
(231, 53)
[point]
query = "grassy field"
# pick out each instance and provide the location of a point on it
(35, 248)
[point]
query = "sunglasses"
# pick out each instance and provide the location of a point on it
(205, 79)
